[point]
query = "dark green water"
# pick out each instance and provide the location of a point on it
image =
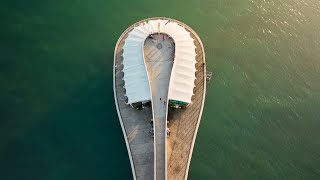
(262, 113)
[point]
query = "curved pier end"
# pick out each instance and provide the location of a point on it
(148, 161)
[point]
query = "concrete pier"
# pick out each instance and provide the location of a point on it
(160, 158)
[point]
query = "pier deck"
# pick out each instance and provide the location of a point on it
(183, 124)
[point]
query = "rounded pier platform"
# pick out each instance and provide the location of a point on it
(159, 157)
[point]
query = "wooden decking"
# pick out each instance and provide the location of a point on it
(183, 123)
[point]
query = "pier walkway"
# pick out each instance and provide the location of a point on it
(159, 53)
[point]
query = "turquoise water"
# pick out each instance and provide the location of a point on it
(262, 112)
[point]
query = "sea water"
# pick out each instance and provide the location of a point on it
(262, 113)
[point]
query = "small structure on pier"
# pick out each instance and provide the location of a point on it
(208, 75)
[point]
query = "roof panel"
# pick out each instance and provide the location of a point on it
(183, 71)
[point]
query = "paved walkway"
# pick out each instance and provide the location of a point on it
(159, 53)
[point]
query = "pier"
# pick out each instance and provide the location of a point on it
(160, 157)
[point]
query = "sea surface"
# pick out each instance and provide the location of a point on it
(262, 112)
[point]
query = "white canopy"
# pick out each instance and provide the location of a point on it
(183, 71)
